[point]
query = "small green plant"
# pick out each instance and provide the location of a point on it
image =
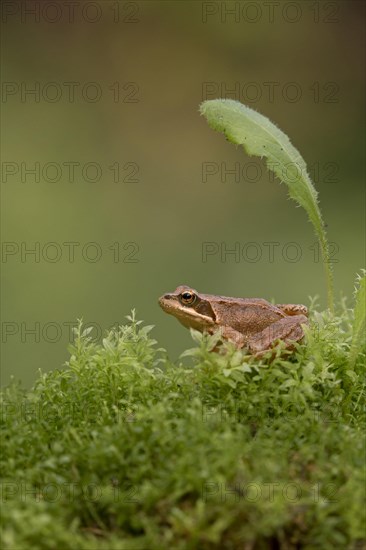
(122, 449)
(260, 137)
(359, 323)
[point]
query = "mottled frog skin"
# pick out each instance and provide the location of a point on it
(252, 323)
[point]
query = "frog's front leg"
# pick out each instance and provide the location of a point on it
(229, 333)
(288, 330)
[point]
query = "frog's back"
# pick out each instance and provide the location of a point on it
(247, 315)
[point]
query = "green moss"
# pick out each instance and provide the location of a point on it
(122, 449)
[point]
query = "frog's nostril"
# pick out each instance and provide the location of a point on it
(164, 298)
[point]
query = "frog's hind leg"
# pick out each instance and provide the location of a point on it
(288, 330)
(293, 309)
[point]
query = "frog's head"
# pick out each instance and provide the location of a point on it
(192, 309)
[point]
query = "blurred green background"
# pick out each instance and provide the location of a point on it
(162, 59)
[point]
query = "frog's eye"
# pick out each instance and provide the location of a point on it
(187, 298)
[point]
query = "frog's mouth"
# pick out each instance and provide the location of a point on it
(188, 316)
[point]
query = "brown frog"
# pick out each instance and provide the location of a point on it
(253, 323)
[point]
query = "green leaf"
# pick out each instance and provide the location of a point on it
(359, 322)
(108, 345)
(86, 332)
(288, 384)
(196, 335)
(352, 375)
(63, 384)
(260, 137)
